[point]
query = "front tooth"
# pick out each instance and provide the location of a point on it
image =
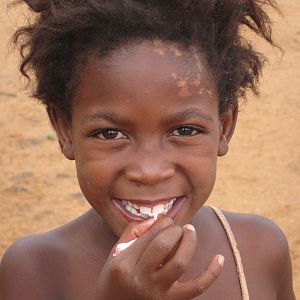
(130, 204)
(158, 209)
(128, 207)
(145, 210)
(134, 211)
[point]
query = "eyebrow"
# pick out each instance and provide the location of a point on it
(106, 116)
(177, 117)
(188, 114)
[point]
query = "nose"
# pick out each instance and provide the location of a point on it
(149, 167)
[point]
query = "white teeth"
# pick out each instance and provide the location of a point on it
(158, 209)
(134, 211)
(145, 210)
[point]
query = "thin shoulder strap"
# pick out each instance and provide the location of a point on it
(236, 252)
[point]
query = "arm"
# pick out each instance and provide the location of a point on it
(275, 254)
(266, 255)
(285, 286)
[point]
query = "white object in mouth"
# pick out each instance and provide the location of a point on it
(148, 212)
(122, 246)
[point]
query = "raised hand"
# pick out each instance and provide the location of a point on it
(151, 266)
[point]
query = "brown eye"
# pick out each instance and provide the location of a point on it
(185, 131)
(110, 134)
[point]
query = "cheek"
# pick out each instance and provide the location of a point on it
(200, 169)
(95, 179)
(204, 176)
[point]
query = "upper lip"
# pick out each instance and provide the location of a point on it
(153, 200)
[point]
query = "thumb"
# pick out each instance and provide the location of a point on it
(130, 234)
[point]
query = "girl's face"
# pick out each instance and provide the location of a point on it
(146, 133)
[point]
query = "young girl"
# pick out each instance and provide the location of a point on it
(143, 95)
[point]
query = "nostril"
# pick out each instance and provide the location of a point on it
(149, 175)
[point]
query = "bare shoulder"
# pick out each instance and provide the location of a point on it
(265, 247)
(256, 228)
(34, 267)
(28, 266)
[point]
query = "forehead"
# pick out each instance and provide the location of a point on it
(150, 67)
(158, 58)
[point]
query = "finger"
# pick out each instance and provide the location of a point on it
(135, 251)
(197, 286)
(160, 248)
(130, 234)
(133, 231)
(181, 260)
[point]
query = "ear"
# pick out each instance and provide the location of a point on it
(63, 131)
(227, 126)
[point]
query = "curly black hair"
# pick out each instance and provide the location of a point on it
(55, 46)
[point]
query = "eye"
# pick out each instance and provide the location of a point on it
(186, 131)
(109, 134)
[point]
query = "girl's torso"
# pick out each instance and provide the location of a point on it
(80, 252)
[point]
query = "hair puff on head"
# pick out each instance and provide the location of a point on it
(65, 32)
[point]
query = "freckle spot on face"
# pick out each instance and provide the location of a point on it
(196, 82)
(159, 51)
(198, 62)
(209, 92)
(201, 91)
(184, 92)
(162, 49)
(174, 76)
(176, 52)
(181, 83)
(206, 91)
(184, 89)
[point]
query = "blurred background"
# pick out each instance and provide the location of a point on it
(260, 175)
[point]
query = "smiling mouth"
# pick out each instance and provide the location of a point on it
(141, 210)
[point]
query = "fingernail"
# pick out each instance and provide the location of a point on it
(160, 216)
(221, 260)
(189, 227)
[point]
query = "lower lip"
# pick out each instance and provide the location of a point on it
(131, 217)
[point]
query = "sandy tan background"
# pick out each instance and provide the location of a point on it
(261, 174)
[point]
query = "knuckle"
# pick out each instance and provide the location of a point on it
(141, 288)
(136, 282)
(177, 228)
(159, 226)
(162, 246)
(151, 234)
(213, 274)
(119, 269)
(199, 289)
(179, 266)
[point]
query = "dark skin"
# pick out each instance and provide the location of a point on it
(146, 127)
